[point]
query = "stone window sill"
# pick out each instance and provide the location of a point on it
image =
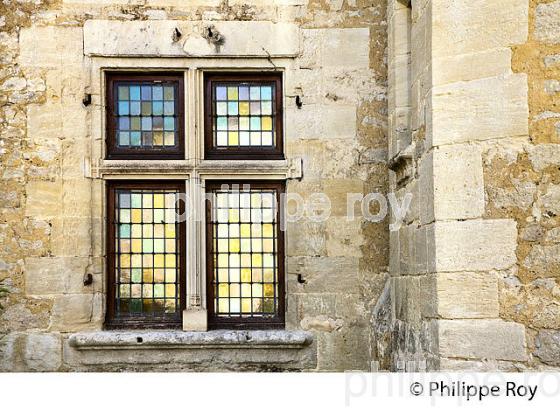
(217, 339)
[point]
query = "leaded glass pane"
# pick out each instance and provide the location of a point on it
(244, 114)
(147, 251)
(147, 114)
(245, 251)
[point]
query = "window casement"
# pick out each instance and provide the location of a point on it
(235, 268)
(245, 254)
(243, 116)
(145, 116)
(146, 254)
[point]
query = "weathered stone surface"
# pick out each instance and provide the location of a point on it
(77, 312)
(480, 110)
(548, 347)
(43, 352)
(469, 339)
(200, 351)
(476, 245)
(543, 260)
(547, 26)
(114, 38)
(467, 295)
(50, 276)
(64, 48)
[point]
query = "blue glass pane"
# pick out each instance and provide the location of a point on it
(124, 200)
(232, 108)
(255, 123)
(157, 108)
(243, 93)
(169, 123)
(124, 138)
(221, 93)
(146, 92)
(123, 108)
(266, 93)
(169, 108)
(157, 93)
(125, 231)
(255, 93)
(135, 92)
(135, 138)
(146, 123)
(222, 123)
(135, 108)
(124, 123)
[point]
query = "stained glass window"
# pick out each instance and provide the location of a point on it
(244, 115)
(145, 115)
(147, 259)
(246, 265)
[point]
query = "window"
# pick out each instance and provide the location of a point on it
(149, 282)
(243, 116)
(145, 116)
(245, 251)
(146, 253)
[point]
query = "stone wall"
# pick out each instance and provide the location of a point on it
(51, 207)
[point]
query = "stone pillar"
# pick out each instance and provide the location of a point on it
(446, 258)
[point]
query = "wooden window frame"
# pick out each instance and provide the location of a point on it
(224, 153)
(112, 150)
(112, 322)
(215, 322)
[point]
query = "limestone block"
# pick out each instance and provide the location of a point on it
(241, 38)
(321, 121)
(550, 201)
(338, 191)
(61, 47)
(457, 182)
(548, 347)
(471, 66)
(479, 110)
(344, 238)
(306, 239)
(331, 48)
(467, 295)
(195, 320)
(43, 198)
(43, 352)
(50, 276)
(476, 245)
(547, 24)
(543, 260)
(76, 197)
(463, 27)
(44, 121)
(77, 311)
(323, 274)
(482, 339)
(71, 236)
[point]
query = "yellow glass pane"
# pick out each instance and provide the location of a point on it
(243, 108)
(136, 260)
(148, 275)
(158, 138)
(223, 291)
(233, 138)
(232, 93)
(268, 275)
(147, 231)
(158, 201)
(222, 275)
(256, 260)
(245, 230)
(245, 260)
(256, 200)
(245, 275)
(223, 260)
(223, 245)
(233, 216)
(234, 245)
(223, 306)
(268, 230)
(147, 200)
(170, 231)
(169, 290)
(137, 246)
(159, 261)
(268, 245)
(268, 290)
(159, 276)
(234, 290)
(245, 305)
(257, 275)
(170, 275)
(125, 261)
(266, 123)
(256, 245)
(170, 261)
(136, 216)
(136, 231)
